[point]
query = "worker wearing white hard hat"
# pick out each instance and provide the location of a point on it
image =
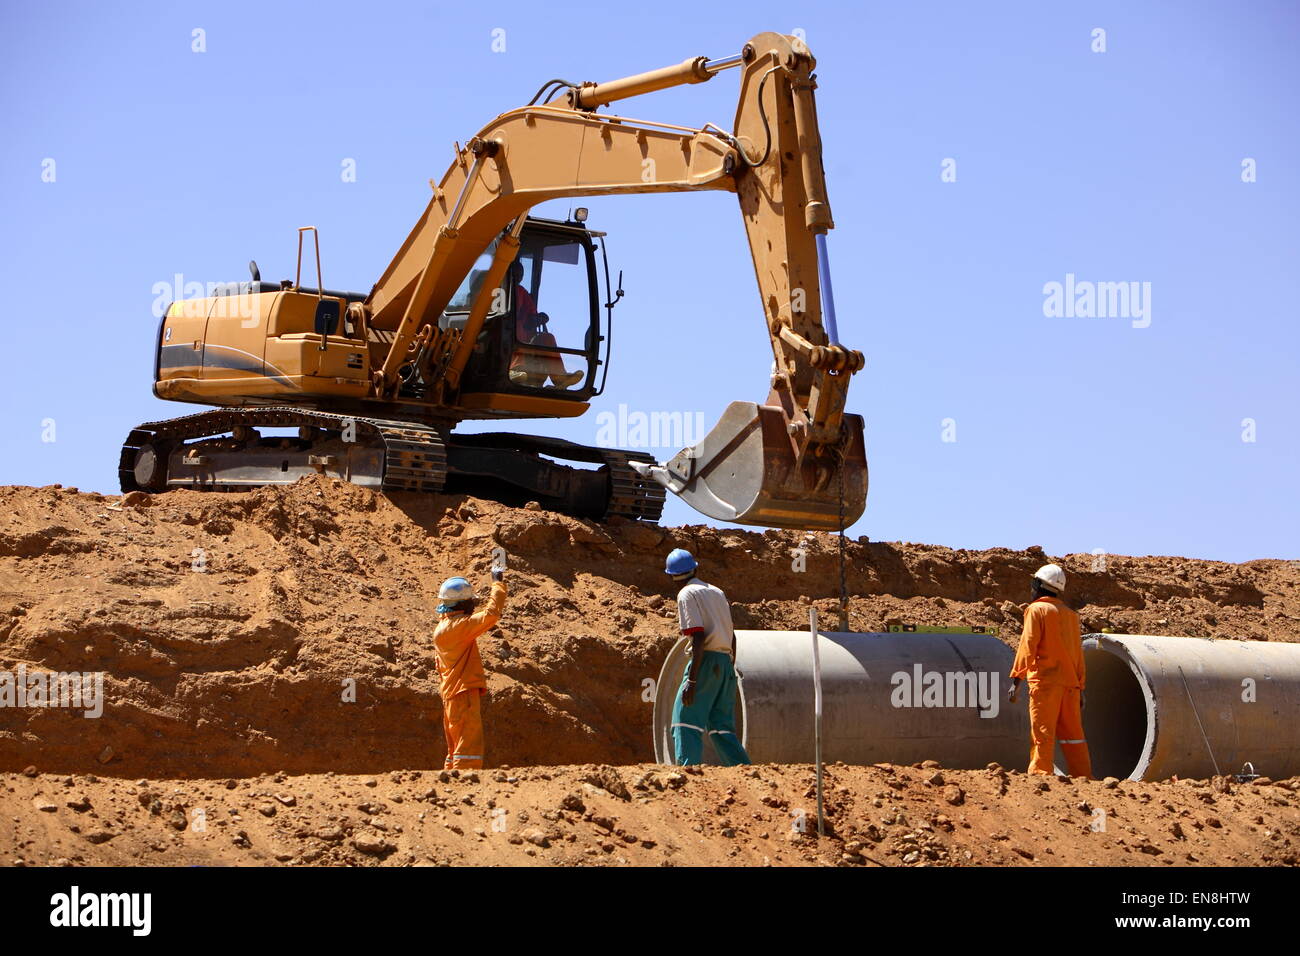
(460, 668)
(1050, 658)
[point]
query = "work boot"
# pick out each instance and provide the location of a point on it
(521, 377)
(566, 379)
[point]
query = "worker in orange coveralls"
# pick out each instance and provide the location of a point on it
(455, 644)
(1050, 657)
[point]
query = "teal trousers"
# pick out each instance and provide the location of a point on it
(712, 712)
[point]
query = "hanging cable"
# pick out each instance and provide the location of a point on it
(844, 587)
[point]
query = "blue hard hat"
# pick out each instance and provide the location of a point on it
(679, 561)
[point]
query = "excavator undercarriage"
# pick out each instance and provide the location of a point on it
(224, 451)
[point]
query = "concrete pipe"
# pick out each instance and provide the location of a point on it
(1164, 706)
(900, 698)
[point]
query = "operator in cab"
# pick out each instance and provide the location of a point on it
(532, 366)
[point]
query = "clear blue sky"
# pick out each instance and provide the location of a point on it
(1072, 433)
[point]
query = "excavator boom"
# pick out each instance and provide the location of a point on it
(796, 460)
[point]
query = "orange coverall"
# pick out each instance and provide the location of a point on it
(455, 644)
(1050, 658)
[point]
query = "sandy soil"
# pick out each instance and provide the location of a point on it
(231, 628)
(649, 816)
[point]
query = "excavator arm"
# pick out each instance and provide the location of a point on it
(523, 158)
(796, 460)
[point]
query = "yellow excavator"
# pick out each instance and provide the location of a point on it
(487, 312)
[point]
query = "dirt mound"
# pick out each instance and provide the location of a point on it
(286, 629)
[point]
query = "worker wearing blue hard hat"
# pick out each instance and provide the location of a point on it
(705, 704)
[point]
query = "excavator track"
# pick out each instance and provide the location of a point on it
(632, 496)
(414, 457)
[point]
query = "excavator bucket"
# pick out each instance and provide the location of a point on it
(745, 470)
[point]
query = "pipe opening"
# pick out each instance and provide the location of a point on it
(670, 682)
(1116, 719)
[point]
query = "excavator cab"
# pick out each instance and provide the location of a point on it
(542, 337)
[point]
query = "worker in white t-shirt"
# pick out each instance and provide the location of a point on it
(706, 701)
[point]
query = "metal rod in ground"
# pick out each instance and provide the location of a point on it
(817, 718)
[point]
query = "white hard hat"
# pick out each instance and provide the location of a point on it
(452, 592)
(1052, 576)
(456, 589)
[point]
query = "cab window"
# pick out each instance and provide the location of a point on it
(550, 295)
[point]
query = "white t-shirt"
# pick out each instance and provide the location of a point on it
(704, 606)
